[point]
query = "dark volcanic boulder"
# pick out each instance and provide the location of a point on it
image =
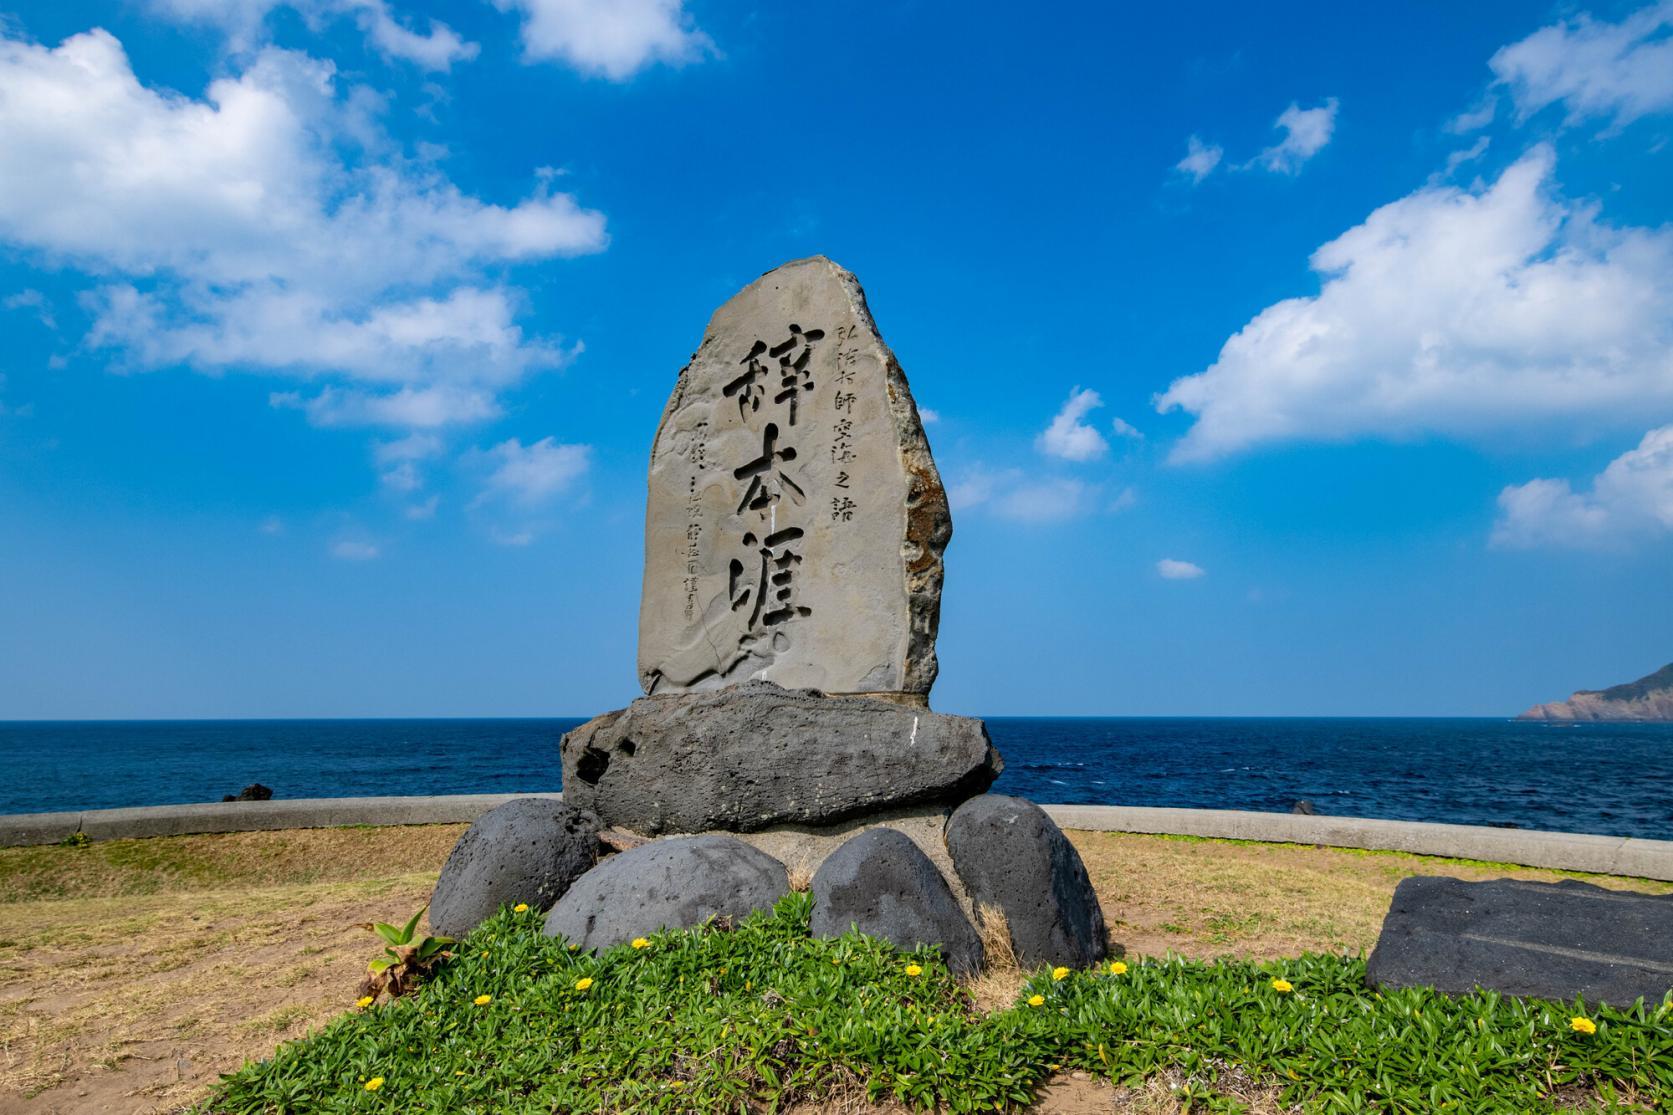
(882, 884)
(1013, 858)
(255, 791)
(1546, 940)
(667, 884)
(754, 755)
(527, 850)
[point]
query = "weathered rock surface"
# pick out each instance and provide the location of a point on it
(1649, 698)
(1545, 940)
(796, 522)
(528, 850)
(880, 883)
(667, 884)
(756, 755)
(1014, 859)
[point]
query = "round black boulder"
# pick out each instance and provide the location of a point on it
(673, 883)
(1013, 858)
(882, 884)
(528, 850)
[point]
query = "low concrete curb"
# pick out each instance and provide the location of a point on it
(1561, 851)
(248, 816)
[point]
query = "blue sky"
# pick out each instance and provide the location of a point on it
(1313, 359)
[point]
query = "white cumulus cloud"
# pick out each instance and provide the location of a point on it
(1068, 436)
(613, 39)
(1453, 311)
(1594, 68)
(1632, 497)
(1306, 131)
(272, 226)
(1172, 569)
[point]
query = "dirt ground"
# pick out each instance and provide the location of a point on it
(134, 972)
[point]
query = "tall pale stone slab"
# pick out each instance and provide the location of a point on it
(796, 522)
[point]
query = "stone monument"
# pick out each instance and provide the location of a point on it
(794, 532)
(795, 523)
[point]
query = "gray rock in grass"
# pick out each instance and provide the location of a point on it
(882, 884)
(667, 884)
(1545, 940)
(528, 850)
(1013, 858)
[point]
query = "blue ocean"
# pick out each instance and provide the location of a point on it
(1615, 779)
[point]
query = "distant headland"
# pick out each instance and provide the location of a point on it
(1648, 698)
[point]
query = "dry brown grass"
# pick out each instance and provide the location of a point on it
(132, 973)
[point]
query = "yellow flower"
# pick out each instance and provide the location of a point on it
(1036, 1000)
(520, 908)
(1117, 968)
(483, 1000)
(640, 943)
(1582, 1025)
(1060, 973)
(1282, 986)
(374, 1084)
(363, 1002)
(485, 954)
(583, 983)
(914, 971)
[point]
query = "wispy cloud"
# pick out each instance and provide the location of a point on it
(531, 475)
(1200, 159)
(1021, 497)
(1172, 569)
(438, 47)
(613, 39)
(1306, 132)
(349, 549)
(1631, 498)
(33, 301)
(1593, 68)
(1068, 437)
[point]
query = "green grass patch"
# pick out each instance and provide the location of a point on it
(765, 1014)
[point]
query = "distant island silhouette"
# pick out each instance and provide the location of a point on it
(1648, 698)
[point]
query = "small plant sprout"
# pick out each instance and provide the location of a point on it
(406, 962)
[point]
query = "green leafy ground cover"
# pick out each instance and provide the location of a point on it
(765, 1014)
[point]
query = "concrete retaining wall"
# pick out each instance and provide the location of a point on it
(1562, 851)
(248, 816)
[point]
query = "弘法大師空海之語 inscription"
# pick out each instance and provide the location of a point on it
(795, 522)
